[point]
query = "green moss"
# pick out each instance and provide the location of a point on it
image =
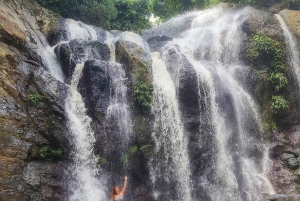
(142, 86)
(102, 161)
(57, 153)
(142, 96)
(133, 149)
(124, 159)
(35, 99)
(269, 125)
(46, 153)
(278, 104)
(146, 150)
(43, 152)
(269, 54)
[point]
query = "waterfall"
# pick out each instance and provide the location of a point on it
(84, 183)
(170, 170)
(237, 161)
(292, 49)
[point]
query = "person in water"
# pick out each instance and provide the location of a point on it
(117, 194)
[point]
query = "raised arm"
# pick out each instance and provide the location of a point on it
(125, 185)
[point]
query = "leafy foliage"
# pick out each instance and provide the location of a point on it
(133, 149)
(125, 158)
(45, 152)
(132, 15)
(57, 153)
(146, 150)
(142, 95)
(108, 14)
(35, 99)
(278, 104)
(102, 161)
(279, 80)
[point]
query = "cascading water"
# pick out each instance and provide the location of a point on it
(170, 173)
(292, 49)
(84, 183)
(237, 160)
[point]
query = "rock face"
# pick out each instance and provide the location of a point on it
(33, 122)
(31, 113)
(292, 18)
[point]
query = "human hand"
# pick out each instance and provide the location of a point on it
(125, 178)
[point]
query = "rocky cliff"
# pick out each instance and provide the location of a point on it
(35, 140)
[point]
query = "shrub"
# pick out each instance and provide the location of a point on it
(125, 158)
(278, 80)
(142, 95)
(43, 152)
(133, 149)
(102, 161)
(56, 153)
(278, 104)
(35, 99)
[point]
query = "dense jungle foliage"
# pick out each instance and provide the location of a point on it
(134, 14)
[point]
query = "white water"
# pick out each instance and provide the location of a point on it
(84, 184)
(170, 141)
(292, 48)
(212, 46)
(118, 111)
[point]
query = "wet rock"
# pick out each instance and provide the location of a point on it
(70, 54)
(94, 86)
(157, 42)
(291, 160)
(292, 197)
(292, 18)
(57, 36)
(67, 61)
(285, 157)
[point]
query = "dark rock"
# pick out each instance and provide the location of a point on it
(65, 57)
(94, 86)
(72, 53)
(157, 42)
(282, 197)
(57, 36)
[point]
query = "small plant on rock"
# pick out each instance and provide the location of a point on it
(57, 153)
(35, 99)
(142, 95)
(278, 104)
(102, 161)
(43, 152)
(133, 149)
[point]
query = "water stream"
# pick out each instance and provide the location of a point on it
(237, 165)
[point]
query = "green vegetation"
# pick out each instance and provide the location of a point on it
(146, 150)
(131, 15)
(125, 159)
(34, 99)
(268, 57)
(134, 14)
(108, 14)
(102, 161)
(278, 104)
(142, 95)
(45, 152)
(133, 149)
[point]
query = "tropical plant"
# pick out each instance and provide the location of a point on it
(142, 95)
(35, 99)
(278, 104)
